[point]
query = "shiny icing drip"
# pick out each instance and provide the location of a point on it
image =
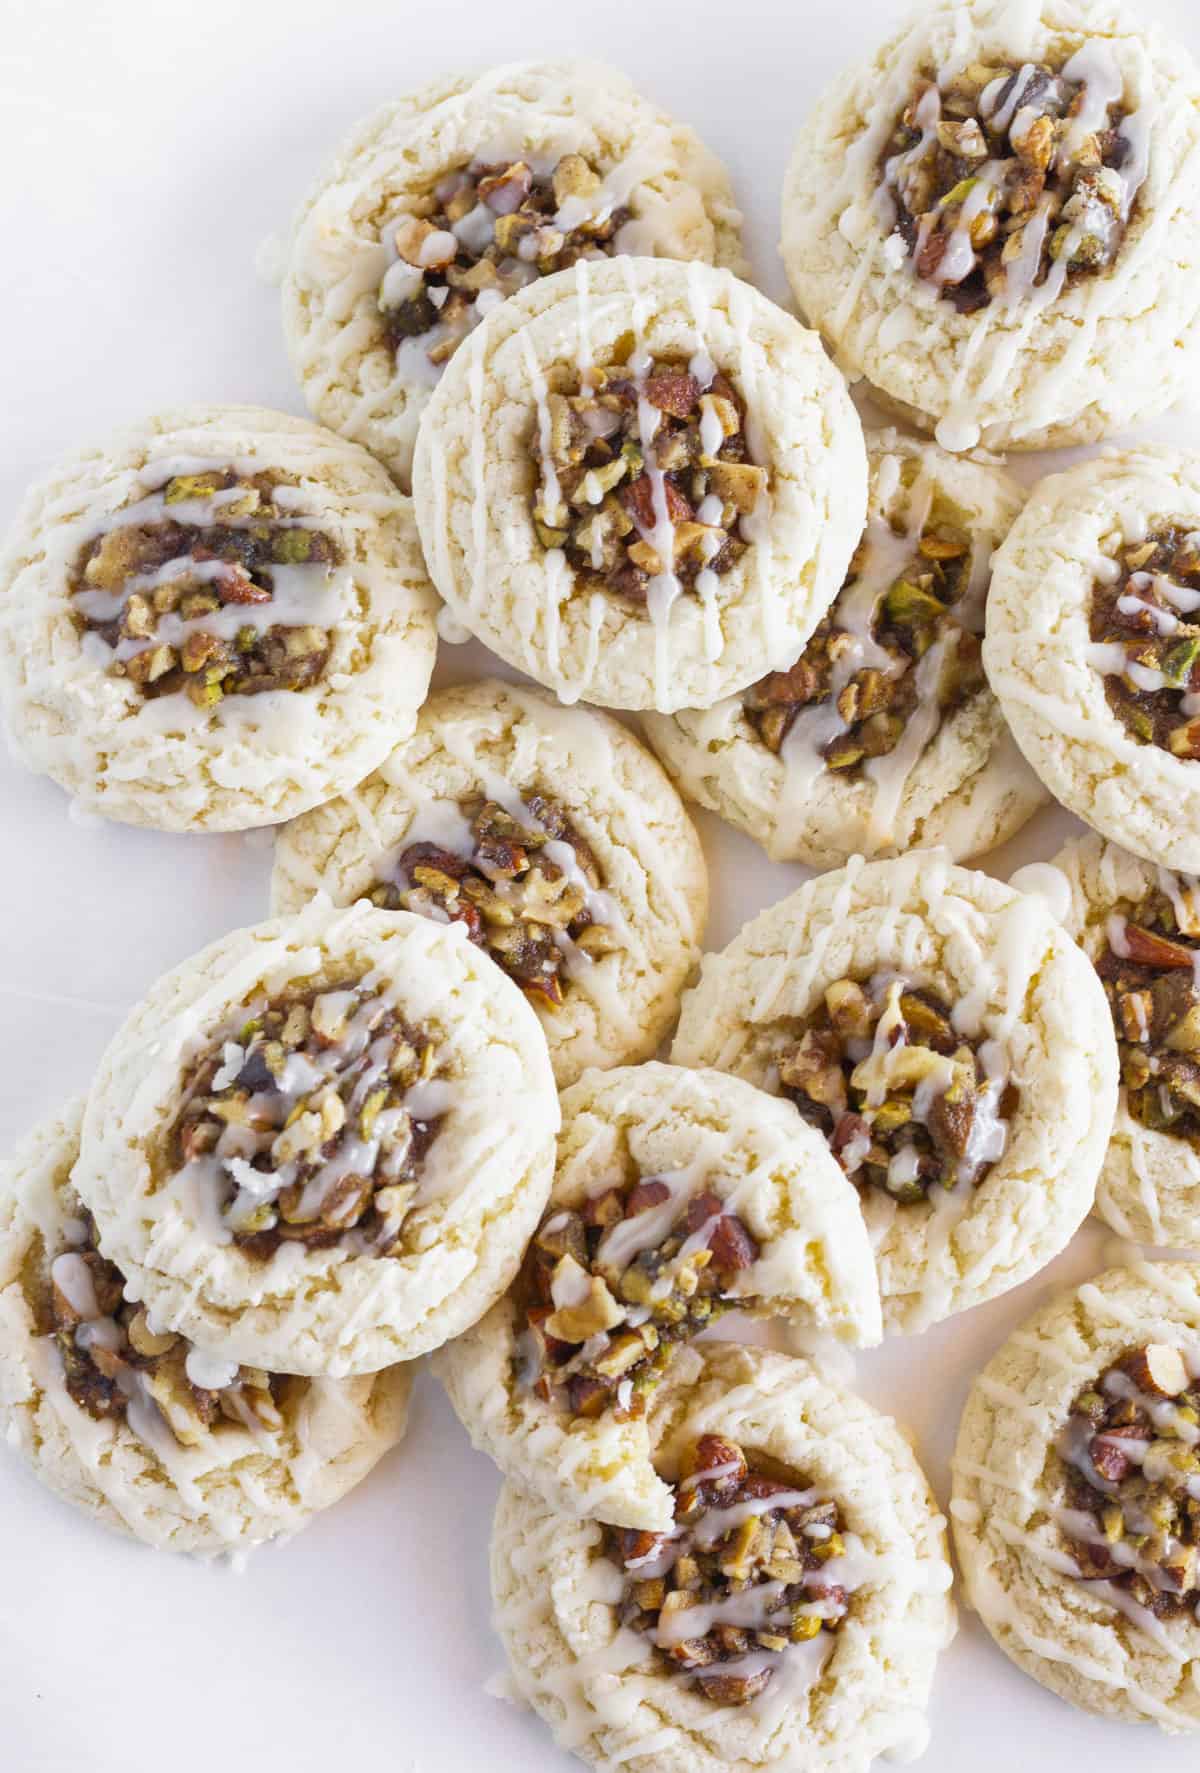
(210, 583)
(896, 657)
(908, 1103)
(756, 1566)
(520, 877)
(1144, 639)
(309, 1121)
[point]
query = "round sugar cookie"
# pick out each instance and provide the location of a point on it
(553, 835)
(882, 734)
(217, 619)
(322, 1143)
(678, 1195)
(982, 218)
(953, 1045)
(640, 482)
(1075, 1495)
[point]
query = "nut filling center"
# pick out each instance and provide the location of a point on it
(901, 637)
(1150, 969)
(484, 232)
(524, 882)
(1131, 1457)
(645, 478)
(1143, 642)
(117, 1368)
(1011, 180)
(606, 1292)
(756, 1566)
(910, 1104)
(311, 1122)
(211, 586)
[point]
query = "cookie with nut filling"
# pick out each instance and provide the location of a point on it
(952, 1045)
(551, 837)
(184, 1448)
(443, 204)
(792, 1613)
(1076, 1504)
(882, 732)
(981, 214)
(338, 1148)
(680, 1197)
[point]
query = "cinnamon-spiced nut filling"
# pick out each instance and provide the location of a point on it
(527, 888)
(644, 477)
(312, 1120)
(909, 1104)
(751, 1570)
(606, 1292)
(484, 232)
(1150, 968)
(1144, 643)
(1131, 1453)
(117, 1368)
(1013, 178)
(208, 585)
(899, 636)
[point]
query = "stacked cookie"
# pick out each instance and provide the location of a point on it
(326, 1145)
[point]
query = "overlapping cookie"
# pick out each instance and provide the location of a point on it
(883, 733)
(444, 203)
(794, 1615)
(552, 836)
(679, 1196)
(186, 1450)
(1076, 1505)
(951, 1043)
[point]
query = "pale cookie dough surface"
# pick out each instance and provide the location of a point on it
(352, 379)
(507, 742)
(601, 1688)
(477, 465)
(958, 782)
(1008, 1476)
(1035, 373)
(719, 1135)
(234, 1487)
(481, 1188)
(1149, 1188)
(1001, 962)
(253, 759)
(1046, 670)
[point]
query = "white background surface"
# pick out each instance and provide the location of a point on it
(147, 149)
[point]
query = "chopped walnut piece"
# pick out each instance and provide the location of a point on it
(1130, 1454)
(603, 1302)
(738, 1531)
(904, 1100)
(1149, 972)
